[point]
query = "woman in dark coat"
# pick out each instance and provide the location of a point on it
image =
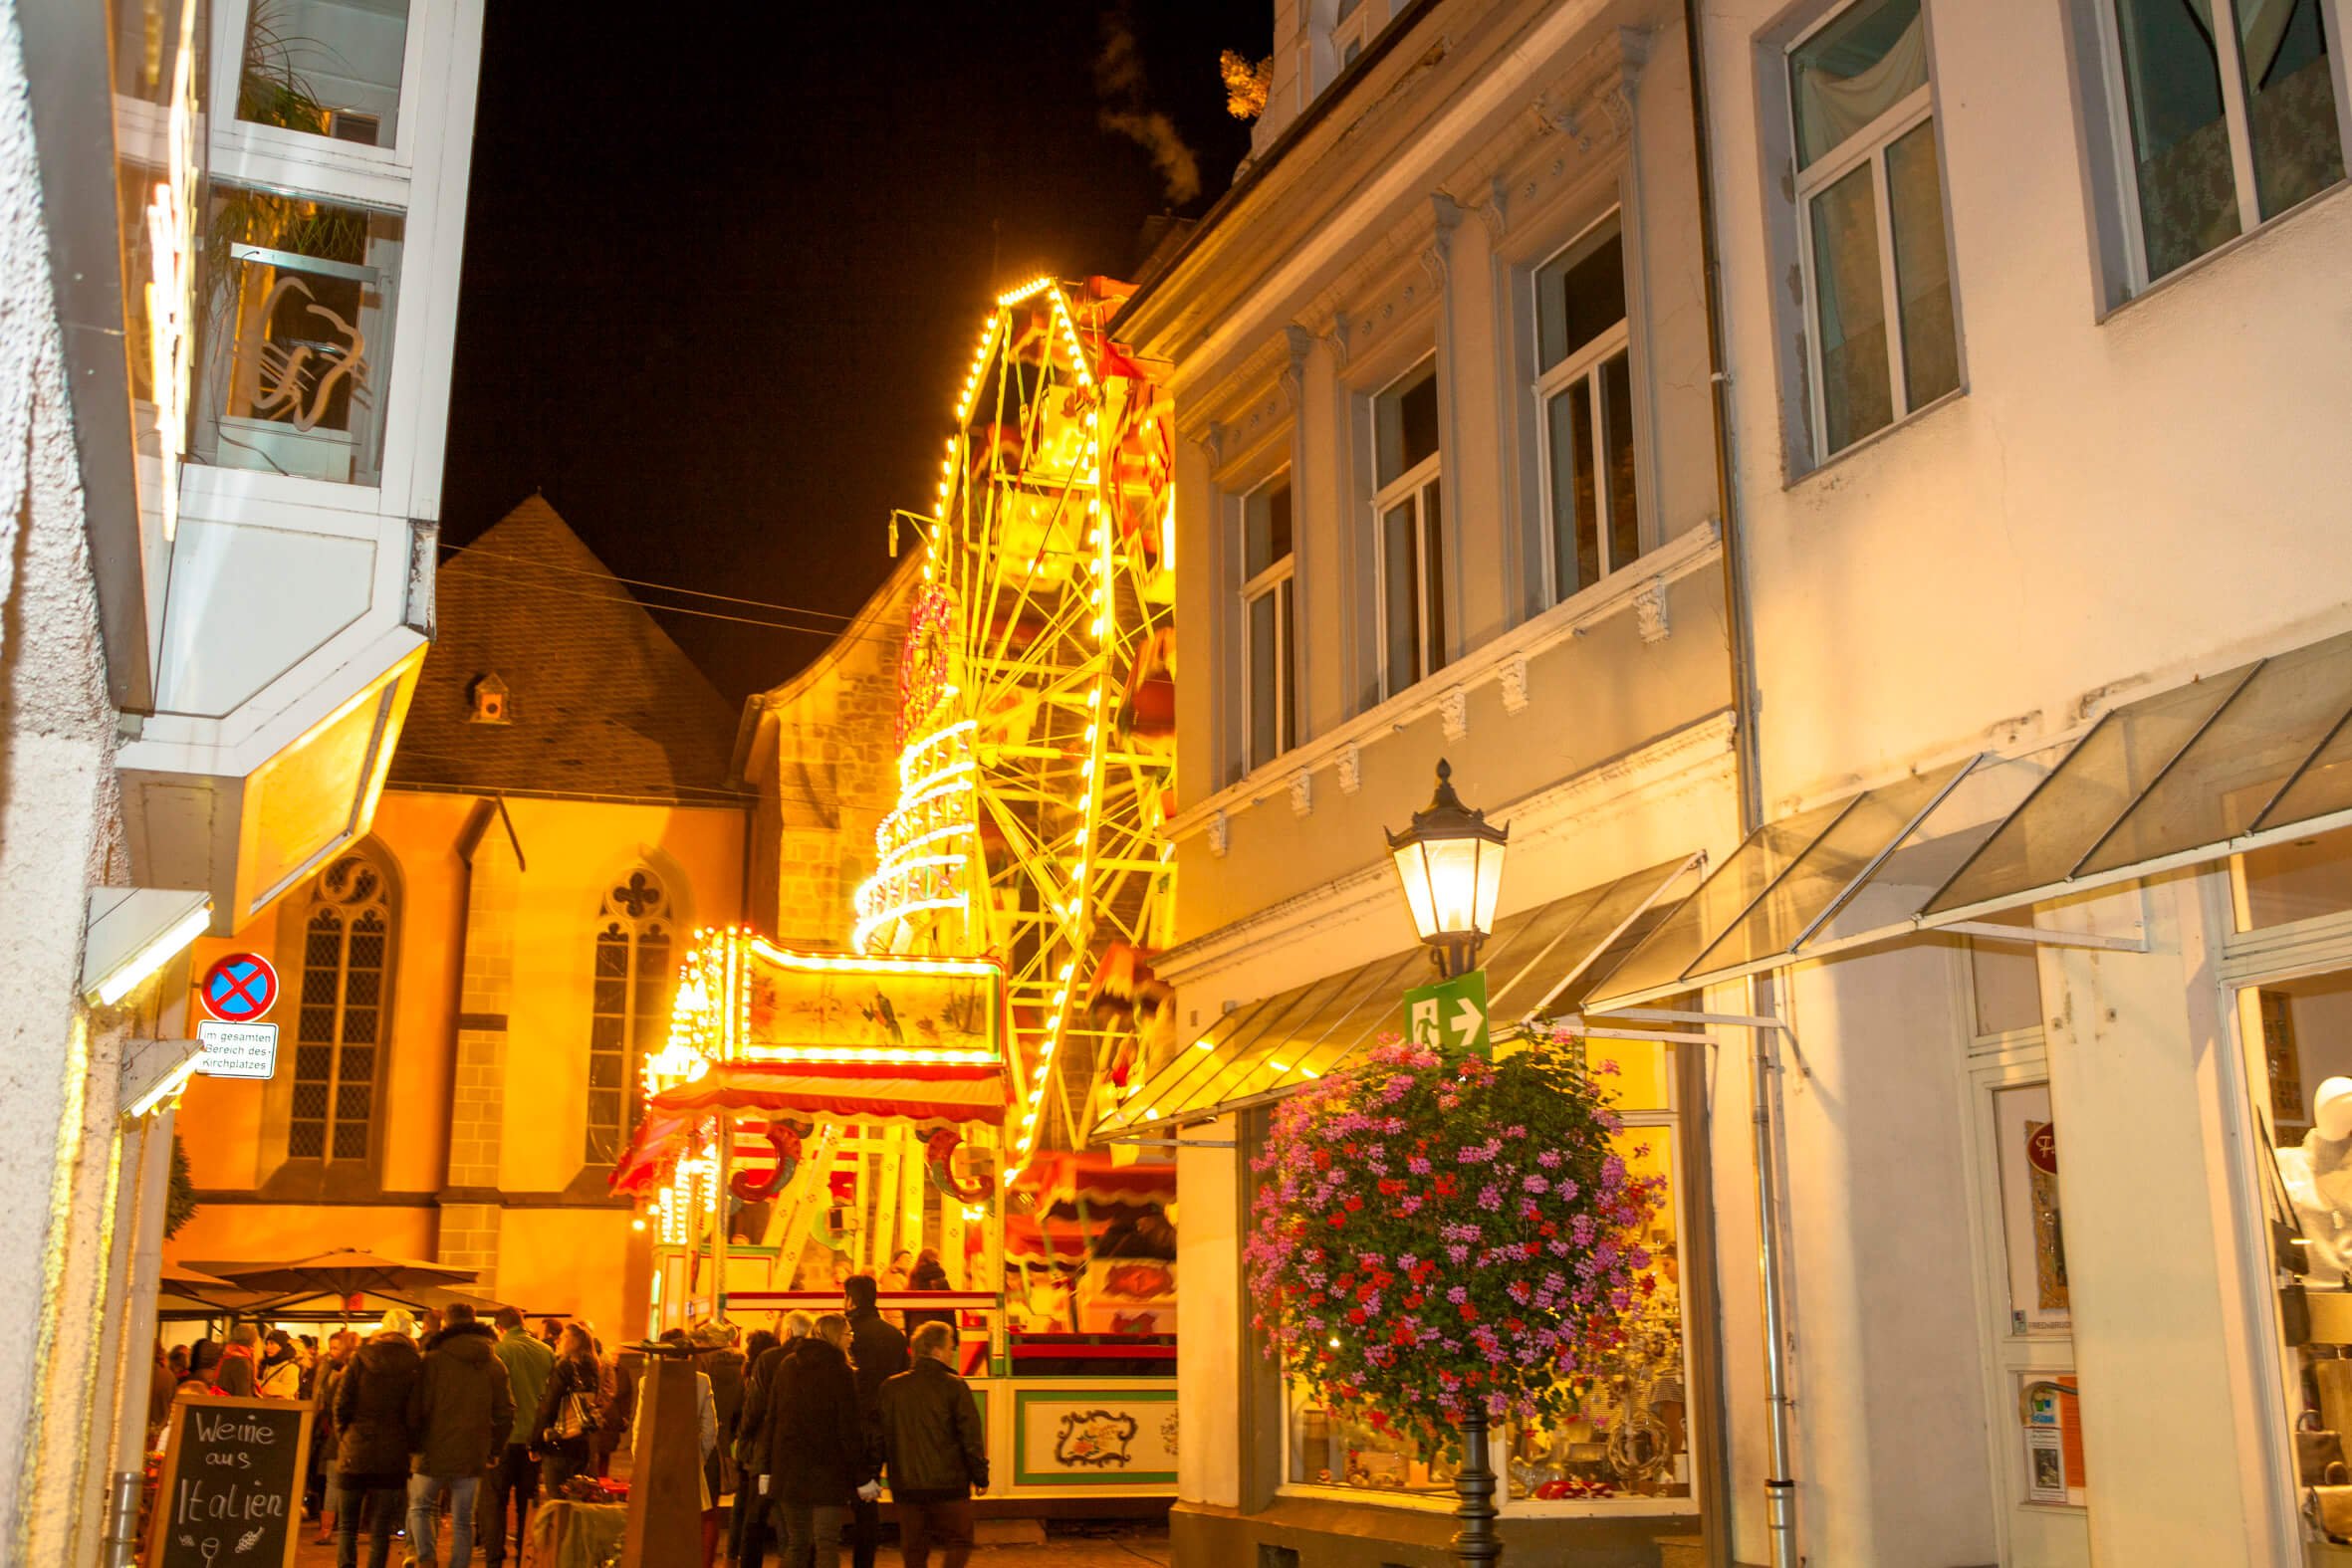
(371, 1447)
(928, 1274)
(576, 1372)
(817, 1448)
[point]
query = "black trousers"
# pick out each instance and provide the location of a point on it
(866, 1532)
(514, 1473)
(747, 1545)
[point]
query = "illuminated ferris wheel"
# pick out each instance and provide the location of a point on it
(1037, 711)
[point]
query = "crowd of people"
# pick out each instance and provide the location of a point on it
(800, 1427)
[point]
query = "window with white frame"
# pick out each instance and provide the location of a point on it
(1351, 31)
(1269, 702)
(1585, 386)
(2229, 118)
(331, 68)
(1882, 339)
(1410, 522)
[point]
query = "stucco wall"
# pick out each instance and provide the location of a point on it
(60, 829)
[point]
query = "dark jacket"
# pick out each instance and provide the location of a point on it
(568, 1377)
(928, 1276)
(878, 1351)
(461, 1410)
(932, 1434)
(371, 1409)
(759, 1391)
(816, 1448)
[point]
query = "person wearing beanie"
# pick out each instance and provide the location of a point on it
(278, 1375)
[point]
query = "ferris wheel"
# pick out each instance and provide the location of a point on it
(1037, 711)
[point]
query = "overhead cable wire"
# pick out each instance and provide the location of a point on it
(645, 583)
(833, 633)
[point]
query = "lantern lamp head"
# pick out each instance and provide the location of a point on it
(1450, 863)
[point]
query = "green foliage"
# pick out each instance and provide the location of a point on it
(179, 1204)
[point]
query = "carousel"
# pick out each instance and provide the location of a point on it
(914, 1106)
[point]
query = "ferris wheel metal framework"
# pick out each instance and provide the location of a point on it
(1036, 713)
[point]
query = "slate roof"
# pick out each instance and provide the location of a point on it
(601, 701)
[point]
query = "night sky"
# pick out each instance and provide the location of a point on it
(723, 266)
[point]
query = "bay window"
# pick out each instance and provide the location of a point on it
(1409, 518)
(1585, 386)
(2230, 111)
(327, 68)
(1269, 623)
(1882, 339)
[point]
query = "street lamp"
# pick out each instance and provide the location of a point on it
(1451, 864)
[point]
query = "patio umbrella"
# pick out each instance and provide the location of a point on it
(184, 1281)
(345, 1272)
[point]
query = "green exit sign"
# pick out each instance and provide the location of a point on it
(1450, 1016)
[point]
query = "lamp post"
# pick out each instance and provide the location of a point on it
(1449, 865)
(1450, 862)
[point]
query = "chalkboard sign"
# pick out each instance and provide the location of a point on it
(230, 1491)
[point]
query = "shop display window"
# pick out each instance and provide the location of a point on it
(2032, 1232)
(2298, 1039)
(1629, 1438)
(327, 68)
(2302, 879)
(296, 328)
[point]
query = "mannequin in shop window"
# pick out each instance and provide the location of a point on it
(2319, 1176)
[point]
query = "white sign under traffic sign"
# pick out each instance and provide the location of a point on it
(237, 1050)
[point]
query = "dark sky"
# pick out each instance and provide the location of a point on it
(723, 266)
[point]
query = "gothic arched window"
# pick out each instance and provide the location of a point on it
(346, 968)
(631, 1006)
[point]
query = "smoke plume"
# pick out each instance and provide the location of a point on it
(1127, 112)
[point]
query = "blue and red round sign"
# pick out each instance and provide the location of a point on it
(239, 989)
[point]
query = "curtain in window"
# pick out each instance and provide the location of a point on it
(1832, 108)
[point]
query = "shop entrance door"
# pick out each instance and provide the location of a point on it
(2033, 1411)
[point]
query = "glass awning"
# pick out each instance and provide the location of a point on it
(2187, 775)
(1538, 963)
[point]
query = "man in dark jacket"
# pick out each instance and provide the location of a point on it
(459, 1414)
(751, 1436)
(816, 1443)
(878, 1350)
(934, 1450)
(371, 1440)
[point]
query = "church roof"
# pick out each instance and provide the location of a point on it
(592, 696)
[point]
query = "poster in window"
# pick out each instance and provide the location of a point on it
(2049, 1238)
(2285, 1064)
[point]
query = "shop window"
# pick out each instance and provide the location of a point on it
(1586, 390)
(1882, 335)
(1268, 623)
(295, 336)
(629, 1009)
(2228, 119)
(1409, 517)
(2033, 1239)
(2296, 1035)
(327, 68)
(2301, 879)
(1631, 1436)
(342, 1029)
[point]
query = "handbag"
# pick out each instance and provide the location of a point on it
(2331, 1510)
(576, 1417)
(2319, 1453)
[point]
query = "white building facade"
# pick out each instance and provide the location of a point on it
(234, 242)
(1997, 686)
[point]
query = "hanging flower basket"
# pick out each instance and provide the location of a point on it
(1437, 1234)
